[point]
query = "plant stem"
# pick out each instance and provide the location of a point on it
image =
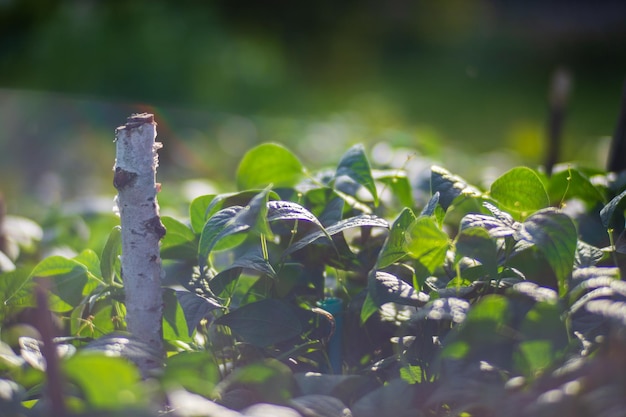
(135, 181)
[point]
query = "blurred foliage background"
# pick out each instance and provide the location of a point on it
(447, 79)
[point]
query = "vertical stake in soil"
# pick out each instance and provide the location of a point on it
(135, 180)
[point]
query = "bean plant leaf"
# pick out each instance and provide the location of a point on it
(174, 322)
(427, 243)
(587, 255)
(70, 281)
(572, 183)
(198, 212)
(475, 243)
(179, 242)
(430, 207)
(110, 384)
(287, 210)
(16, 291)
(608, 212)
(110, 255)
(520, 190)
(221, 224)
(398, 182)
(263, 323)
(555, 236)
(449, 186)
(393, 248)
(384, 288)
(195, 371)
(357, 221)
(269, 164)
(448, 308)
(355, 165)
(195, 307)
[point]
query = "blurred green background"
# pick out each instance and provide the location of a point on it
(464, 82)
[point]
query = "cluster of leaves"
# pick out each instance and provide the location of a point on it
(332, 293)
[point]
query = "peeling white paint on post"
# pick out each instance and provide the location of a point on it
(135, 180)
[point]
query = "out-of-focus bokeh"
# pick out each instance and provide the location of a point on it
(445, 78)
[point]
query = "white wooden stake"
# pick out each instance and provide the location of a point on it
(135, 180)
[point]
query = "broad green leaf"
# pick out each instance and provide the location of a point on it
(555, 235)
(197, 372)
(287, 210)
(263, 323)
(198, 212)
(179, 242)
(270, 379)
(387, 288)
(221, 224)
(449, 308)
(393, 248)
(357, 221)
(587, 255)
(520, 190)
(108, 383)
(427, 243)
(174, 322)
(195, 307)
(449, 186)
(354, 164)
(16, 291)
(399, 184)
(608, 212)
(111, 255)
(70, 281)
(368, 308)
(475, 243)
(571, 183)
(253, 259)
(269, 164)
(91, 261)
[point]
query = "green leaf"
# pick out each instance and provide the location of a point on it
(110, 257)
(70, 281)
(108, 383)
(269, 164)
(263, 323)
(16, 291)
(198, 212)
(357, 221)
(520, 190)
(368, 308)
(608, 212)
(399, 184)
(91, 261)
(179, 242)
(555, 236)
(197, 372)
(475, 243)
(393, 248)
(268, 379)
(220, 225)
(174, 322)
(571, 183)
(354, 164)
(387, 288)
(449, 186)
(195, 307)
(429, 208)
(427, 243)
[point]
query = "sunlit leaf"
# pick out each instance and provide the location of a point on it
(385, 288)
(520, 190)
(399, 184)
(427, 243)
(555, 235)
(475, 243)
(449, 186)
(195, 371)
(393, 248)
(269, 164)
(354, 164)
(110, 255)
(571, 183)
(198, 212)
(174, 322)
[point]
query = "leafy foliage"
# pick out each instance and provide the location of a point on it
(478, 305)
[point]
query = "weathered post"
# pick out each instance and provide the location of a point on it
(135, 180)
